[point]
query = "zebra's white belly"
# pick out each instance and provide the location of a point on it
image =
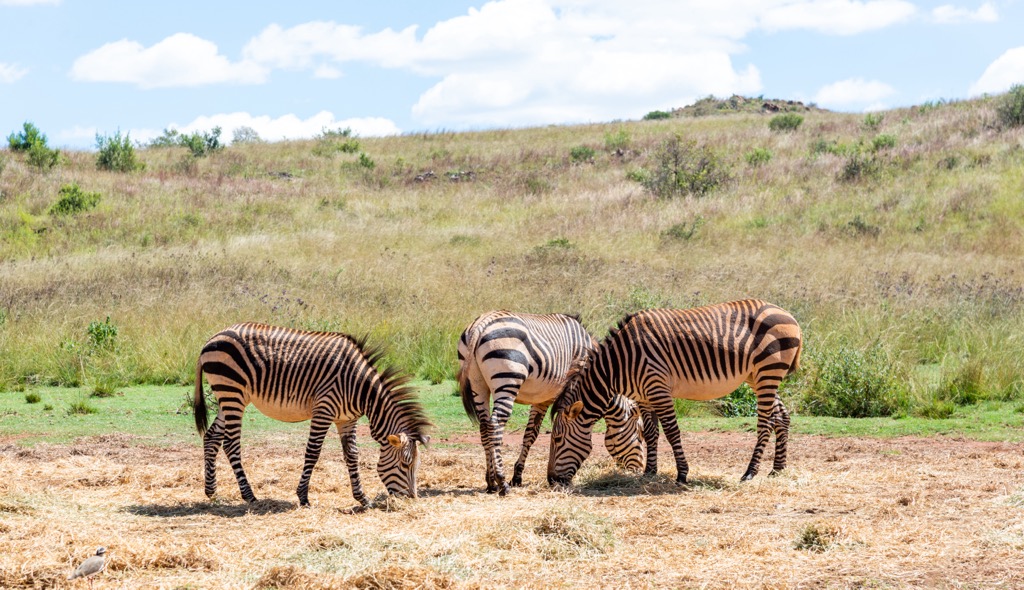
(535, 391)
(287, 412)
(707, 390)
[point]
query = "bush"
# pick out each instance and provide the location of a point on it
(656, 115)
(758, 156)
(81, 407)
(33, 398)
(198, 144)
(366, 162)
(74, 200)
(884, 141)
(785, 122)
(42, 157)
(29, 137)
(581, 154)
(116, 154)
(1010, 108)
(332, 141)
(102, 334)
(742, 402)
(851, 383)
(686, 168)
(245, 134)
(618, 141)
(684, 231)
(873, 121)
(859, 167)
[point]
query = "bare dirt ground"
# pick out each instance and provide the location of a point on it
(849, 513)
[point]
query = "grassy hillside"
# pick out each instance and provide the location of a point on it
(895, 239)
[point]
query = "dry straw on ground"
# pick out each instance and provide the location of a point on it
(849, 513)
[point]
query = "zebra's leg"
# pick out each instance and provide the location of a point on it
(503, 400)
(232, 410)
(781, 426)
(351, 451)
(650, 439)
(211, 446)
(766, 399)
(529, 437)
(663, 406)
(318, 428)
(481, 405)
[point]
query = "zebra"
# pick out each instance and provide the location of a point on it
(518, 357)
(656, 355)
(294, 376)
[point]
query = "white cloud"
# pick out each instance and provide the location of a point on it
(179, 60)
(837, 17)
(949, 14)
(1000, 75)
(285, 127)
(10, 73)
(854, 93)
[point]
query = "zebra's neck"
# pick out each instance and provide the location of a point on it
(597, 388)
(386, 416)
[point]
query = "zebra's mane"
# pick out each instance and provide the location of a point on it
(396, 386)
(572, 376)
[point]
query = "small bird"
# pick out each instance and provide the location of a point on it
(92, 566)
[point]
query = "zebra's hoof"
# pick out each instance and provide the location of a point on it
(776, 472)
(516, 481)
(251, 500)
(747, 476)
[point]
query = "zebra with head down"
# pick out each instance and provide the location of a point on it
(656, 355)
(293, 376)
(523, 358)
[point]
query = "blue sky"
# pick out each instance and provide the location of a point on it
(289, 70)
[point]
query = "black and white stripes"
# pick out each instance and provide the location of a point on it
(293, 376)
(656, 355)
(517, 357)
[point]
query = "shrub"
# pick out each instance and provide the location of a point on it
(581, 154)
(684, 231)
(366, 162)
(742, 402)
(936, 410)
(42, 157)
(859, 167)
(851, 383)
(245, 134)
(28, 137)
(656, 115)
(884, 141)
(618, 141)
(686, 168)
(102, 334)
(817, 537)
(758, 156)
(873, 121)
(33, 398)
(1010, 108)
(332, 141)
(785, 122)
(116, 154)
(74, 200)
(199, 144)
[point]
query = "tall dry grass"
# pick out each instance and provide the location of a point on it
(920, 254)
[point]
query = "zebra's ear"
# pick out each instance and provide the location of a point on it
(574, 411)
(398, 440)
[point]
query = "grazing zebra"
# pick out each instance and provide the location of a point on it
(656, 355)
(293, 376)
(524, 358)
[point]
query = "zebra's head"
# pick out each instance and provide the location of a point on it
(570, 430)
(399, 459)
(624, 436)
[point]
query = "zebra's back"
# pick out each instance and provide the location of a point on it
(705, 352)
(283, 371)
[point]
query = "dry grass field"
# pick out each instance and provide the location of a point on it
(850, 513)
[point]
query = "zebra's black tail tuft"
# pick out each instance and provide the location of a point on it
(199, 402)
(466, 391)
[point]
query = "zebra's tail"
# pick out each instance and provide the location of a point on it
(796, 360)
(199, 402)
(466, 391)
